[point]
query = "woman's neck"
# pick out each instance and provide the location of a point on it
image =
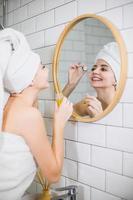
(105, 96)
(28, 96)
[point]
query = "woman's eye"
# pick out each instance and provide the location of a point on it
(103, 69)
(93, 69)
(43, 67)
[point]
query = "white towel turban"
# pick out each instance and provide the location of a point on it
(110, 53)
(18, 65)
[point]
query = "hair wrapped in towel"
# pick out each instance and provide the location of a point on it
(18, 65)
(111, 54)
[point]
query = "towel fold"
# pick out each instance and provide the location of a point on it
(17, 166)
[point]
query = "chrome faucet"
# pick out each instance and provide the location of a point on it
(72, 191)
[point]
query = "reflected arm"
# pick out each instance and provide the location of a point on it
(67, 90)
(80, 108)
(90, 106)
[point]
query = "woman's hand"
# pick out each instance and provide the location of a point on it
(75, 73)
(63, 112)
(93, 106)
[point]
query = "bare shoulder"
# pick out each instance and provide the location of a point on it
(30, 120)
(31, 113)
(31, 116)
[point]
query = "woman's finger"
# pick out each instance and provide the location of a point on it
(94, 104)
(92, 112)
(93, 99)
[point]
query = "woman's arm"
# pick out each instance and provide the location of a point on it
(81, 108)
(67, 90)
(49, 157)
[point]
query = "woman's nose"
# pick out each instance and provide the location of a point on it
(97, 70)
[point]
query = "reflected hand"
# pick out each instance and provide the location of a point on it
(93, 106)
(75, 73)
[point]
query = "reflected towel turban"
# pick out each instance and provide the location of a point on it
(110, 53)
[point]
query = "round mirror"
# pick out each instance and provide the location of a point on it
(89, 66)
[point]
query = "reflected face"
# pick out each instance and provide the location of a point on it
(41, 78)
(101, 75)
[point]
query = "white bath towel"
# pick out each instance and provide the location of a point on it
(17, 167)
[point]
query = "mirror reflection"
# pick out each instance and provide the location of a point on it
(89, 67)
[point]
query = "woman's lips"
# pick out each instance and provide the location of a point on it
(96, 79)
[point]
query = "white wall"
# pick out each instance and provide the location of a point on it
(98, 156)
(1, 12)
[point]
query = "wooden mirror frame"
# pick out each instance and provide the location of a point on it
(123, 56)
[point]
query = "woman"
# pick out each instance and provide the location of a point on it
(104, 77)
(23, 139)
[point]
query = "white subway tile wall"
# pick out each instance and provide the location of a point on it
(45, 20)
(127, 94)
(78, 151)
(61, 13)
(12, 5)
(36, 40)
(10, 19)
(20, 14)
(127, 12)
(128, 164)
(100, 195)
(98, 156)
(1, 11)
(114, 118)
(130, 68)
(119, 185)
(92, 134)
(107, 159)
(91, 176)
(113, 3)
(127, 36)
(29, 26)
(117, 19)
(52, 35)
(35, 7)
(127, 115)
(85, 6)
(53, 4)
(120, 138)
(70, 169)
(23, 2)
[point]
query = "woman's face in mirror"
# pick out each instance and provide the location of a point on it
(102, 76)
